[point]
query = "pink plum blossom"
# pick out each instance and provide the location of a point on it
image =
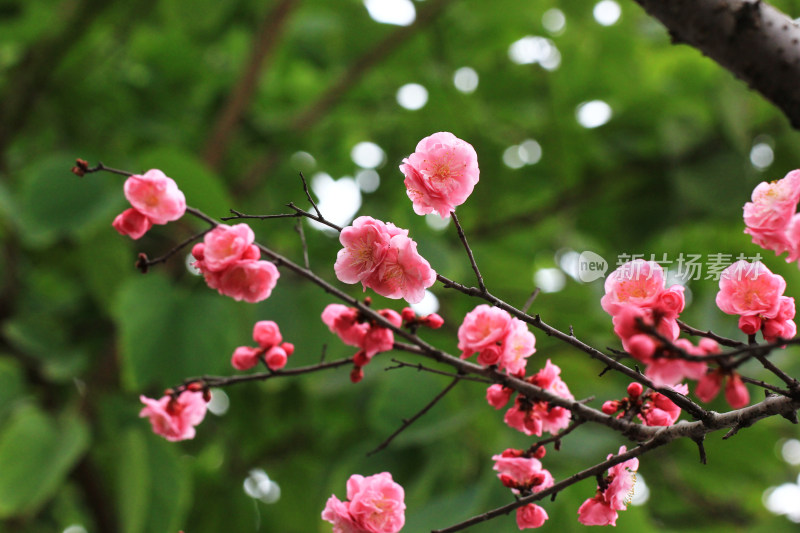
(534, 417)
(773, 204)
(251, 281)
(498, 338)
(440, 174)
(365, 243)
(601, 510)
(132, 223)
(636, 282)
(230, 264)
(224, 246)
(403, 273)
(483, 328)
(531, 516)
(356, 330)
(736, 393)
(518, 344)
(382, 257)
(375, 505)
(750, 289)
(155, 196)
(175, 418)
(519, 472)
(658, 410)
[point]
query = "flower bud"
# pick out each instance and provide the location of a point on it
(635, 390)
(357, 374)
(610, 407)
(408, 315)
(433, 321)
(540, 452)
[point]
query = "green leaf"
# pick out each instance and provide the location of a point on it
(37, 452)
(153, 485)
(52, 202)
(168, 334)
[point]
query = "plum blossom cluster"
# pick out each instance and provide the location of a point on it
(498, 339)
(754, 293)
(640, 304)
(522, 472)
(651, 407)
(355, 329)
(231, 264)
(271, 348)
(440, 174)
(612, 495)
(154, 199)
(175, 415)
(529, 416)
(771, 217)
(382, 257)
(375, 504)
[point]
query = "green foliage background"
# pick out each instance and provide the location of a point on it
(139, 85)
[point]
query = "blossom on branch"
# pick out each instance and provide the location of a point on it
(155, 199)
(354, 329)
(271, 348)
(497, 337)
(770, 217)
(230, 263)
(533, 417)
(375, 504)
(440, 174)
(617, 489)
(382, 257)
(174, 418)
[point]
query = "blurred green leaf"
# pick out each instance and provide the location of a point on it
(37, 452)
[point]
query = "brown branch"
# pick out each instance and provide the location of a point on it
(472, 262)
(750, 38)
(725, 341)
(241, 96)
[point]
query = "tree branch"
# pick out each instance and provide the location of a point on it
(750, 38)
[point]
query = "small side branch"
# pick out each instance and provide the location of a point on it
(472, 262)
(414, 418)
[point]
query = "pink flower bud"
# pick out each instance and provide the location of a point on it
(408, 314)
(641, 347)
(357, 374)
(266, 333)
(635, 390)
(288, 347)
(736, 392)
(275, 358)
(540, 452)
(750, 325)
(610, 407)
(245, 357)
(132, 223)
(498, 396)
(360, 358)
(433, 321)
(708, 386)
(531, 516)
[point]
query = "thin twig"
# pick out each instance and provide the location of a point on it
(144, 263)
(409, 421)
(725, 341)
(529, 301)
(299, 229)
(472, 262)
(419, 367)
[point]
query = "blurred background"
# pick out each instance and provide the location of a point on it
(593, 133)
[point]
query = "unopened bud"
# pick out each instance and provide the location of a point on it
(288, 347)
(540, 452)
(357, 374)
(206, 395)
(507, 481)
(433, 321)
(610, 407)
(194, 386)
(360, 358)
(635, 390)
(408, 314)
(511, 452)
